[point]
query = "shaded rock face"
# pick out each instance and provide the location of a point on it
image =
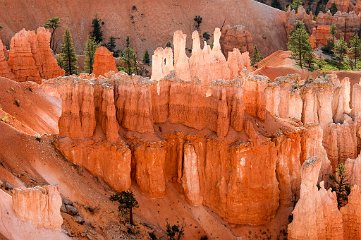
(236, 37)
(5, 70)
(39, 205)
(30, 57)
(316, 215)
(104, 62)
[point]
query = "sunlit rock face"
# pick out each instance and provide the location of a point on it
(104, 62)
(30, 57)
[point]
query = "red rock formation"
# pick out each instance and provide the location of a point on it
(353, 167)
(316, 215)
(150, 162)
(351, 215)
(104, 62)
(236, 37)
(4, 67)
(342, 5)
(30, 56)
(205, 64)
(320, 36)
(39, 205)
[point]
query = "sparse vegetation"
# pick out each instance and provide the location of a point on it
(299, 44)
(67, 58)
(198, 20)
(52, 24)
(97, 32)
(256, 56)
(340, 184)
(146, 58)
(295, 4)
(174, 232)
(340, 52)
(206, 36)
(126, 202)
(130, 59)
(90, 48)
(333, 8)
(111, 45)
(354, 51)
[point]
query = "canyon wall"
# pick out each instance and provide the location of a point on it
(228, 139)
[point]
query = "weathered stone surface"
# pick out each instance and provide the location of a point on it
(25, 224)
(316, 215)
(104, 62)
(30, 56)
(351, 215)
(5, 70)
(236, 37)
(39, 205)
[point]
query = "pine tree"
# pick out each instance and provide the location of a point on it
(340, 184)
(52, 24)
(355, 50)
(295, 4)
(90, 48)
(174, 232)
(126, 202)
(333, 8)
(298, 43)
(97, 33)
(68, 59)
(130, 59)
(146, 58)
(256, 56)
(198, 21)
(111, 46)
(340, 51)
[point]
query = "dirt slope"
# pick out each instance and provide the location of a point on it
(141, 19)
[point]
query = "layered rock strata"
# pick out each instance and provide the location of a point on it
(30, 57)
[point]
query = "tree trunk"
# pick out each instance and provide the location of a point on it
(131, 216)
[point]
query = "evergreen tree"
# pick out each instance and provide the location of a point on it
(97, 32)
(130, 59)
(169, 44)
(198, 21)
(333, 8)
(256, 56)
(90, 48)
(340, 184)
(355, 50)
(126, 202)
(276, 4)
(295, 4)
(206, 36)
(298, 43)
(52, 24)
(340, 51)
(67, 57)
(1, 27)
(146, 58)
(111, 46)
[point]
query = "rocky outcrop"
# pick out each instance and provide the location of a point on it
(353, 167)
(5, 70)
(104, 62)
(236, 37)
(30, 56)
(316, 215)
(33, 215)
(351, 215)
(39, 205)
(206, 65)
(342, 5)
